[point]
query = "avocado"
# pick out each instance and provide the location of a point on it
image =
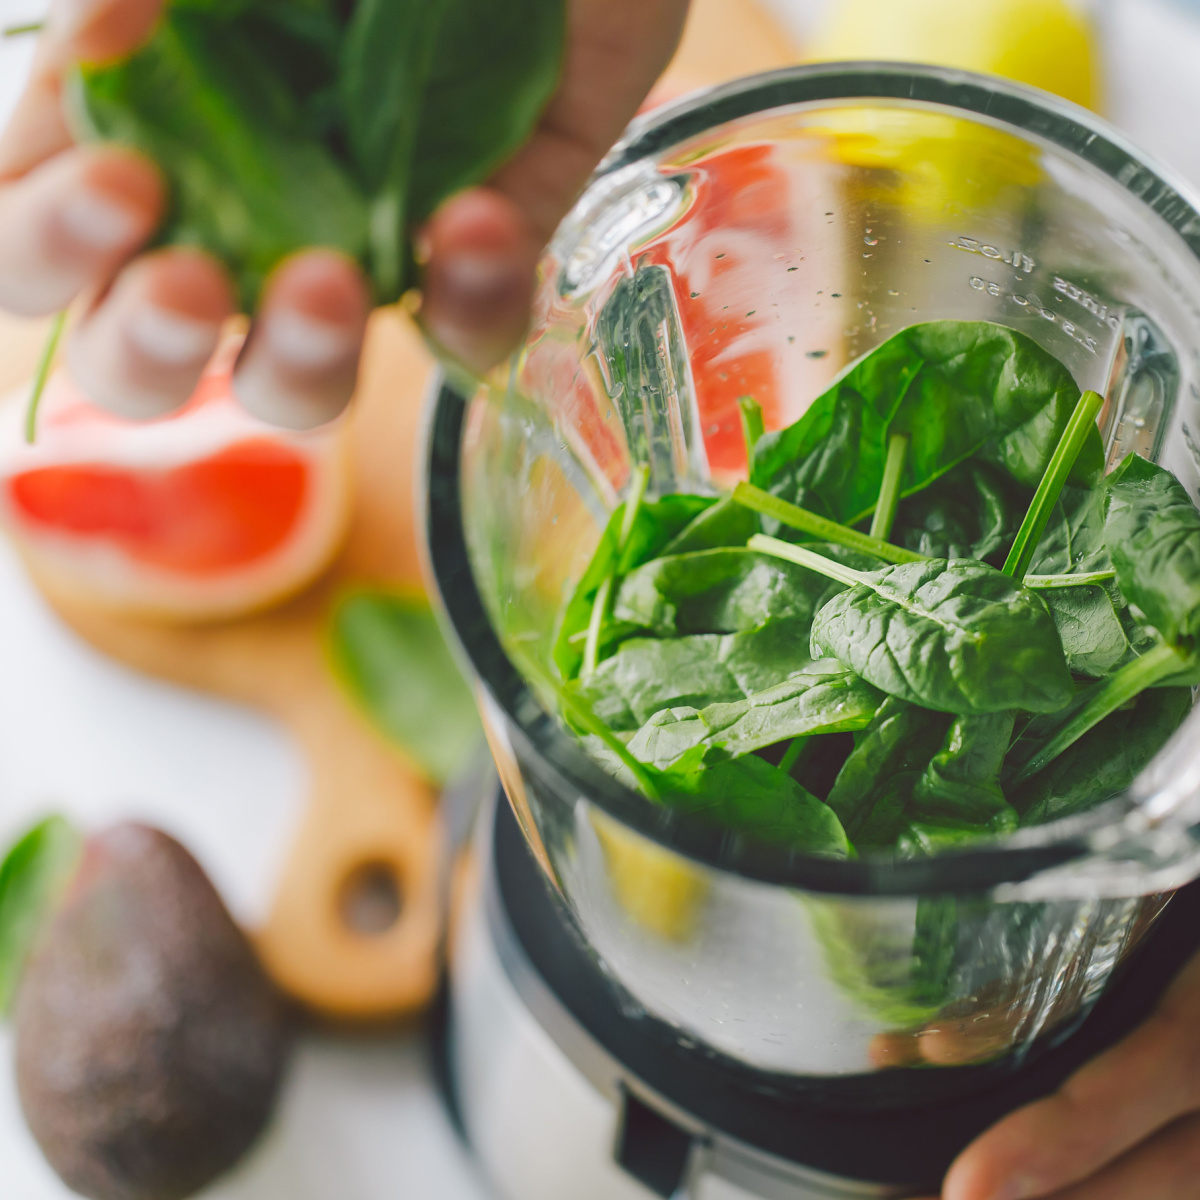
(150, 1046)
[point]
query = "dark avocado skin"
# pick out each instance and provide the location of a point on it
(150, 1046)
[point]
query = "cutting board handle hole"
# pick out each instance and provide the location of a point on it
(370, 900)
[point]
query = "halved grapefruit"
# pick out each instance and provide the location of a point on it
(202, 515)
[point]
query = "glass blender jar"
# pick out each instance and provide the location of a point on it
(752, 240)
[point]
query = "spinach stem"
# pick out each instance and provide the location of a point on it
(794, 753)
(889, 492)
(633, 505)
(42, 374)
(752, 426)
(637, 493)
(583, 716)
(1064, 581)
(805, 558)
(1118, 689)
(1082, 422)
(591, 648)
(820, 527)
(13, 31)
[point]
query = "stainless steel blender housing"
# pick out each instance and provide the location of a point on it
(979, 198)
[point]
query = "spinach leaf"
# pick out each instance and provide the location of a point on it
(746, 795)
(894, 963)
(389, 652)
(760, 658)
(1073, 541)
(1089, 627)
(887, 819)
(386, 58)
(962, 781)
(655, 524)
(494, 68)
(32, 875)
(956, 389)
(281, 124)
(973, 511)
(900, 739)
(957, 637)
(1152, 530)
(1106, 760)
(751, 797)
(1044, 739)
(209, 98)
(718, 591)
(917, 839)
(822, 698)
(726, 523)
(646, 675)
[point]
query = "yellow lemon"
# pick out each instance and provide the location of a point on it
(657, 889)
(1045, 43)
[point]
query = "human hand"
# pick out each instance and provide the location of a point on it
(1126, 1126)
(74, 220)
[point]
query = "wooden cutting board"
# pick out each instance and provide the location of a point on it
(370, 814)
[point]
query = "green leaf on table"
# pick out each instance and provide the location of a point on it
(390, 653)
(1152, 530)
(957, 637)
(956, 388)
(32, 876)
(1106, 760)
(822, 698)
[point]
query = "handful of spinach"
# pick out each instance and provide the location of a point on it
(282, 124)
(927, 613)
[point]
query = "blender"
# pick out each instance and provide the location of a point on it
(643, 1004)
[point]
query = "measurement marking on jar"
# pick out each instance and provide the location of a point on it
(1098, 309)
(1017, 259)
(1033, 302)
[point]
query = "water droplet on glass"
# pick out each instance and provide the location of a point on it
(893, 292)
(836, 295)
(870, 241)
(695, 295)
(816, 353)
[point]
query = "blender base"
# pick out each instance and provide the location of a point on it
(553, 1105)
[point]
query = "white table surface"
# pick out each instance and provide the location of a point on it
(360, 1119)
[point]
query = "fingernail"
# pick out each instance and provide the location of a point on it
(305, 343)
(169, 337)
(99, 222)
(480, 273)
